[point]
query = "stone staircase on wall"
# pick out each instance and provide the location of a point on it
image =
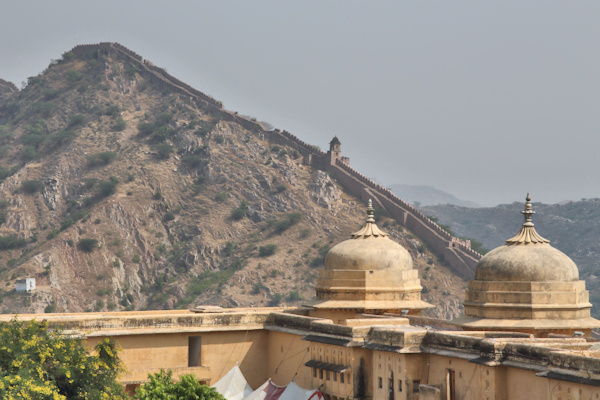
(456, 252)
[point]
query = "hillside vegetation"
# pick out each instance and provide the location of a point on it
(119, 193)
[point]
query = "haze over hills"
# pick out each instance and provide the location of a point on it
(572, 227)
(124, 188)
(423, 195)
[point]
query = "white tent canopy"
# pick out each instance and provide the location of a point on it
(233, 386)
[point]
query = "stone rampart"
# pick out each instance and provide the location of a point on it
(457, 252)
(147, 66)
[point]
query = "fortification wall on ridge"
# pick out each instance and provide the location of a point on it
(457, 252)
(144, 65)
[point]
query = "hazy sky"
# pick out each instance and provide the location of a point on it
(484, 99)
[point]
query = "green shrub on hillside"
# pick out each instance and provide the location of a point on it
(119, 125)
(102, 158)
(290, 220)
(163, 150)
(267, 250)
(11, 242)
(76, 120)
(87, 245)
(32, 186)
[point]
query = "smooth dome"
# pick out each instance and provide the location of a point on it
(526, 263)
(368, 254)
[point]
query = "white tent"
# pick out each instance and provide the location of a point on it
(295, 392)
(233, 386)
(260, 393)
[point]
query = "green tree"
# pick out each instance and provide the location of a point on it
(41, 363)
(162, 387)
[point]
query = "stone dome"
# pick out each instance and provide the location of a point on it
(527, 286)
(526, 257)
(369, 273)
(368, 254)
(529, 263)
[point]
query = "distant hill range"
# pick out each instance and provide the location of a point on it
(422, 195)
(572, 227)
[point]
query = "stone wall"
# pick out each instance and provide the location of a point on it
(147, 67)
(458, 253)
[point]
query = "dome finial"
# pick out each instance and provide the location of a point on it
(370, 229)
(527, 234)
(370, 212)
(528, 212)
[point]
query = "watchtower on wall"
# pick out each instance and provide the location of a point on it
(335, 152)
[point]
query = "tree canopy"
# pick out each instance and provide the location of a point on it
(41, 363)
(162, 387)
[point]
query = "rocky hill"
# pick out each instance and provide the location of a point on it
(572, 227)
(123, 188)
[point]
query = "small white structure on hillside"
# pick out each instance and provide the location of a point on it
(25, 285)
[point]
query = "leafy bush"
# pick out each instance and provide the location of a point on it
(161, 386)
(29, 153)
(290, 220)
(76, 120)
(44, 108)
(11, 242)
(240, 212)
(192, 160)
(163, 150)
(45, 364)
(169, 216)
(146, 128)
(33, 140)
(102, 158)
(106, 188)
(267, 250)
(87, 245)
(275, 300)
(73, 76)
(294, 296)
(112, 110)
(136, 259)
(61, 137)
(219, 139)
(32, 186)
(119, 125)
(221, 197)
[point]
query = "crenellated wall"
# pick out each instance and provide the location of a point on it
(457, 252)
(146, 68)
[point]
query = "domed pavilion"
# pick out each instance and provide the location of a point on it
(369, 273)
(527, 286)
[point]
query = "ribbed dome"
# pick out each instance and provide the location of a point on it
(527, 257)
